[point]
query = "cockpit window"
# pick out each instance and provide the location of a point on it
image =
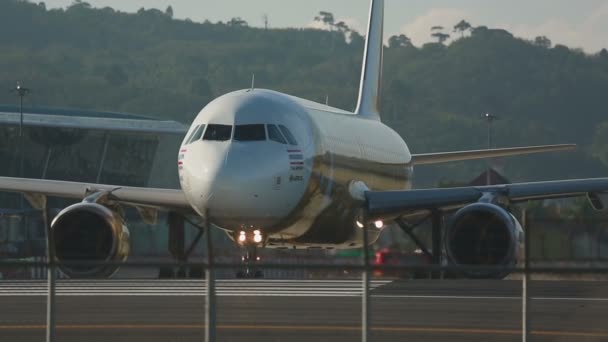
(249, 133)
(187, 141)
(218, 133)
(290, 138)
(197, 134)
(275, 135)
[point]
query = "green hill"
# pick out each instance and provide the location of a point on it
(150, 63)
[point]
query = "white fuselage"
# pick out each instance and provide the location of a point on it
(295, 190)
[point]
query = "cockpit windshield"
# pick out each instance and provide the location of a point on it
(198, 133)
(218, 133)
(252, 132)
(249, 133)
(290, 138)
(275, 135)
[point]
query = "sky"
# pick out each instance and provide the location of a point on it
(577, 24)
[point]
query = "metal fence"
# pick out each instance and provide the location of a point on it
(559, 248)
(362, 268)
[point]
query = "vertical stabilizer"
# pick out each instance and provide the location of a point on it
(368, 104)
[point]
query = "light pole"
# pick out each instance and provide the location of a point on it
(21, 92)
(490, 118)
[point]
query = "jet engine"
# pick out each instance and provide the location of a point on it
(90, 232)
(484, 234)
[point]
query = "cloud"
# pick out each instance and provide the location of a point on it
(558, 31)
(589, 34)
(419, 30)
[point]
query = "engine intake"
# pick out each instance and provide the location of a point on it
(483, 234)
(89, 232)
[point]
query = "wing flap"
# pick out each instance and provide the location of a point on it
(444, 157)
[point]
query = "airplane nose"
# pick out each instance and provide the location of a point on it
(209, 176)
(238, 187)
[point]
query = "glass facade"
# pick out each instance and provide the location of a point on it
(135, 157)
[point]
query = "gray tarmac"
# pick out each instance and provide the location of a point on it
(306, 310)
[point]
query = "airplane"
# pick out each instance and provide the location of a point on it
(276, 171)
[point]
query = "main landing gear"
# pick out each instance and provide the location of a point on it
(177, 249)
(435, 254)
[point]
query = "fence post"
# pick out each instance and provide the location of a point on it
(365, 307)
(525, 279)
(50, 261)
(210, 282)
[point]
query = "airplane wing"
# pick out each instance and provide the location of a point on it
(139, 197)
(444, 157)
(393, 204)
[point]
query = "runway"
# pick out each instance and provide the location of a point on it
(284, 288)
(305, 310)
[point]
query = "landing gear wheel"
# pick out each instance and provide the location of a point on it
(249, 274)
(250, 259)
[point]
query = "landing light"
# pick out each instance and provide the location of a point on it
(379, 224)
(242, 237)
(257, 238)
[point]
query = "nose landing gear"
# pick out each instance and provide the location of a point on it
(250, 260)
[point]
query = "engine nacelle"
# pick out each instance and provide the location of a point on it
(484, 234)
(89, 232)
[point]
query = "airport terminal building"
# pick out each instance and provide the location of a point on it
(82, 146)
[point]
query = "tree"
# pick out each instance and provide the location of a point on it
(399, 41)
(436, 32)
(604, 54)
(356, 39)
(169, 11)
(441, 37)
(237, 22)
(462, 27)
(80, 4)
(599, 148)
(542, 41)
(202, 87)
(116, 76)
(479, 30)
(326, 18)
(342, 27)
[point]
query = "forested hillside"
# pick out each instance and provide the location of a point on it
(149, 63)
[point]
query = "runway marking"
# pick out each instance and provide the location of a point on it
(232, 287)
(274, 288)
(491, 297)
(432, 330)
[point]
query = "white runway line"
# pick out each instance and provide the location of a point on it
(231, 288)
(490, 297)
(277, 288)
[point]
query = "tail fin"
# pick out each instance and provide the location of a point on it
(368, 105)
